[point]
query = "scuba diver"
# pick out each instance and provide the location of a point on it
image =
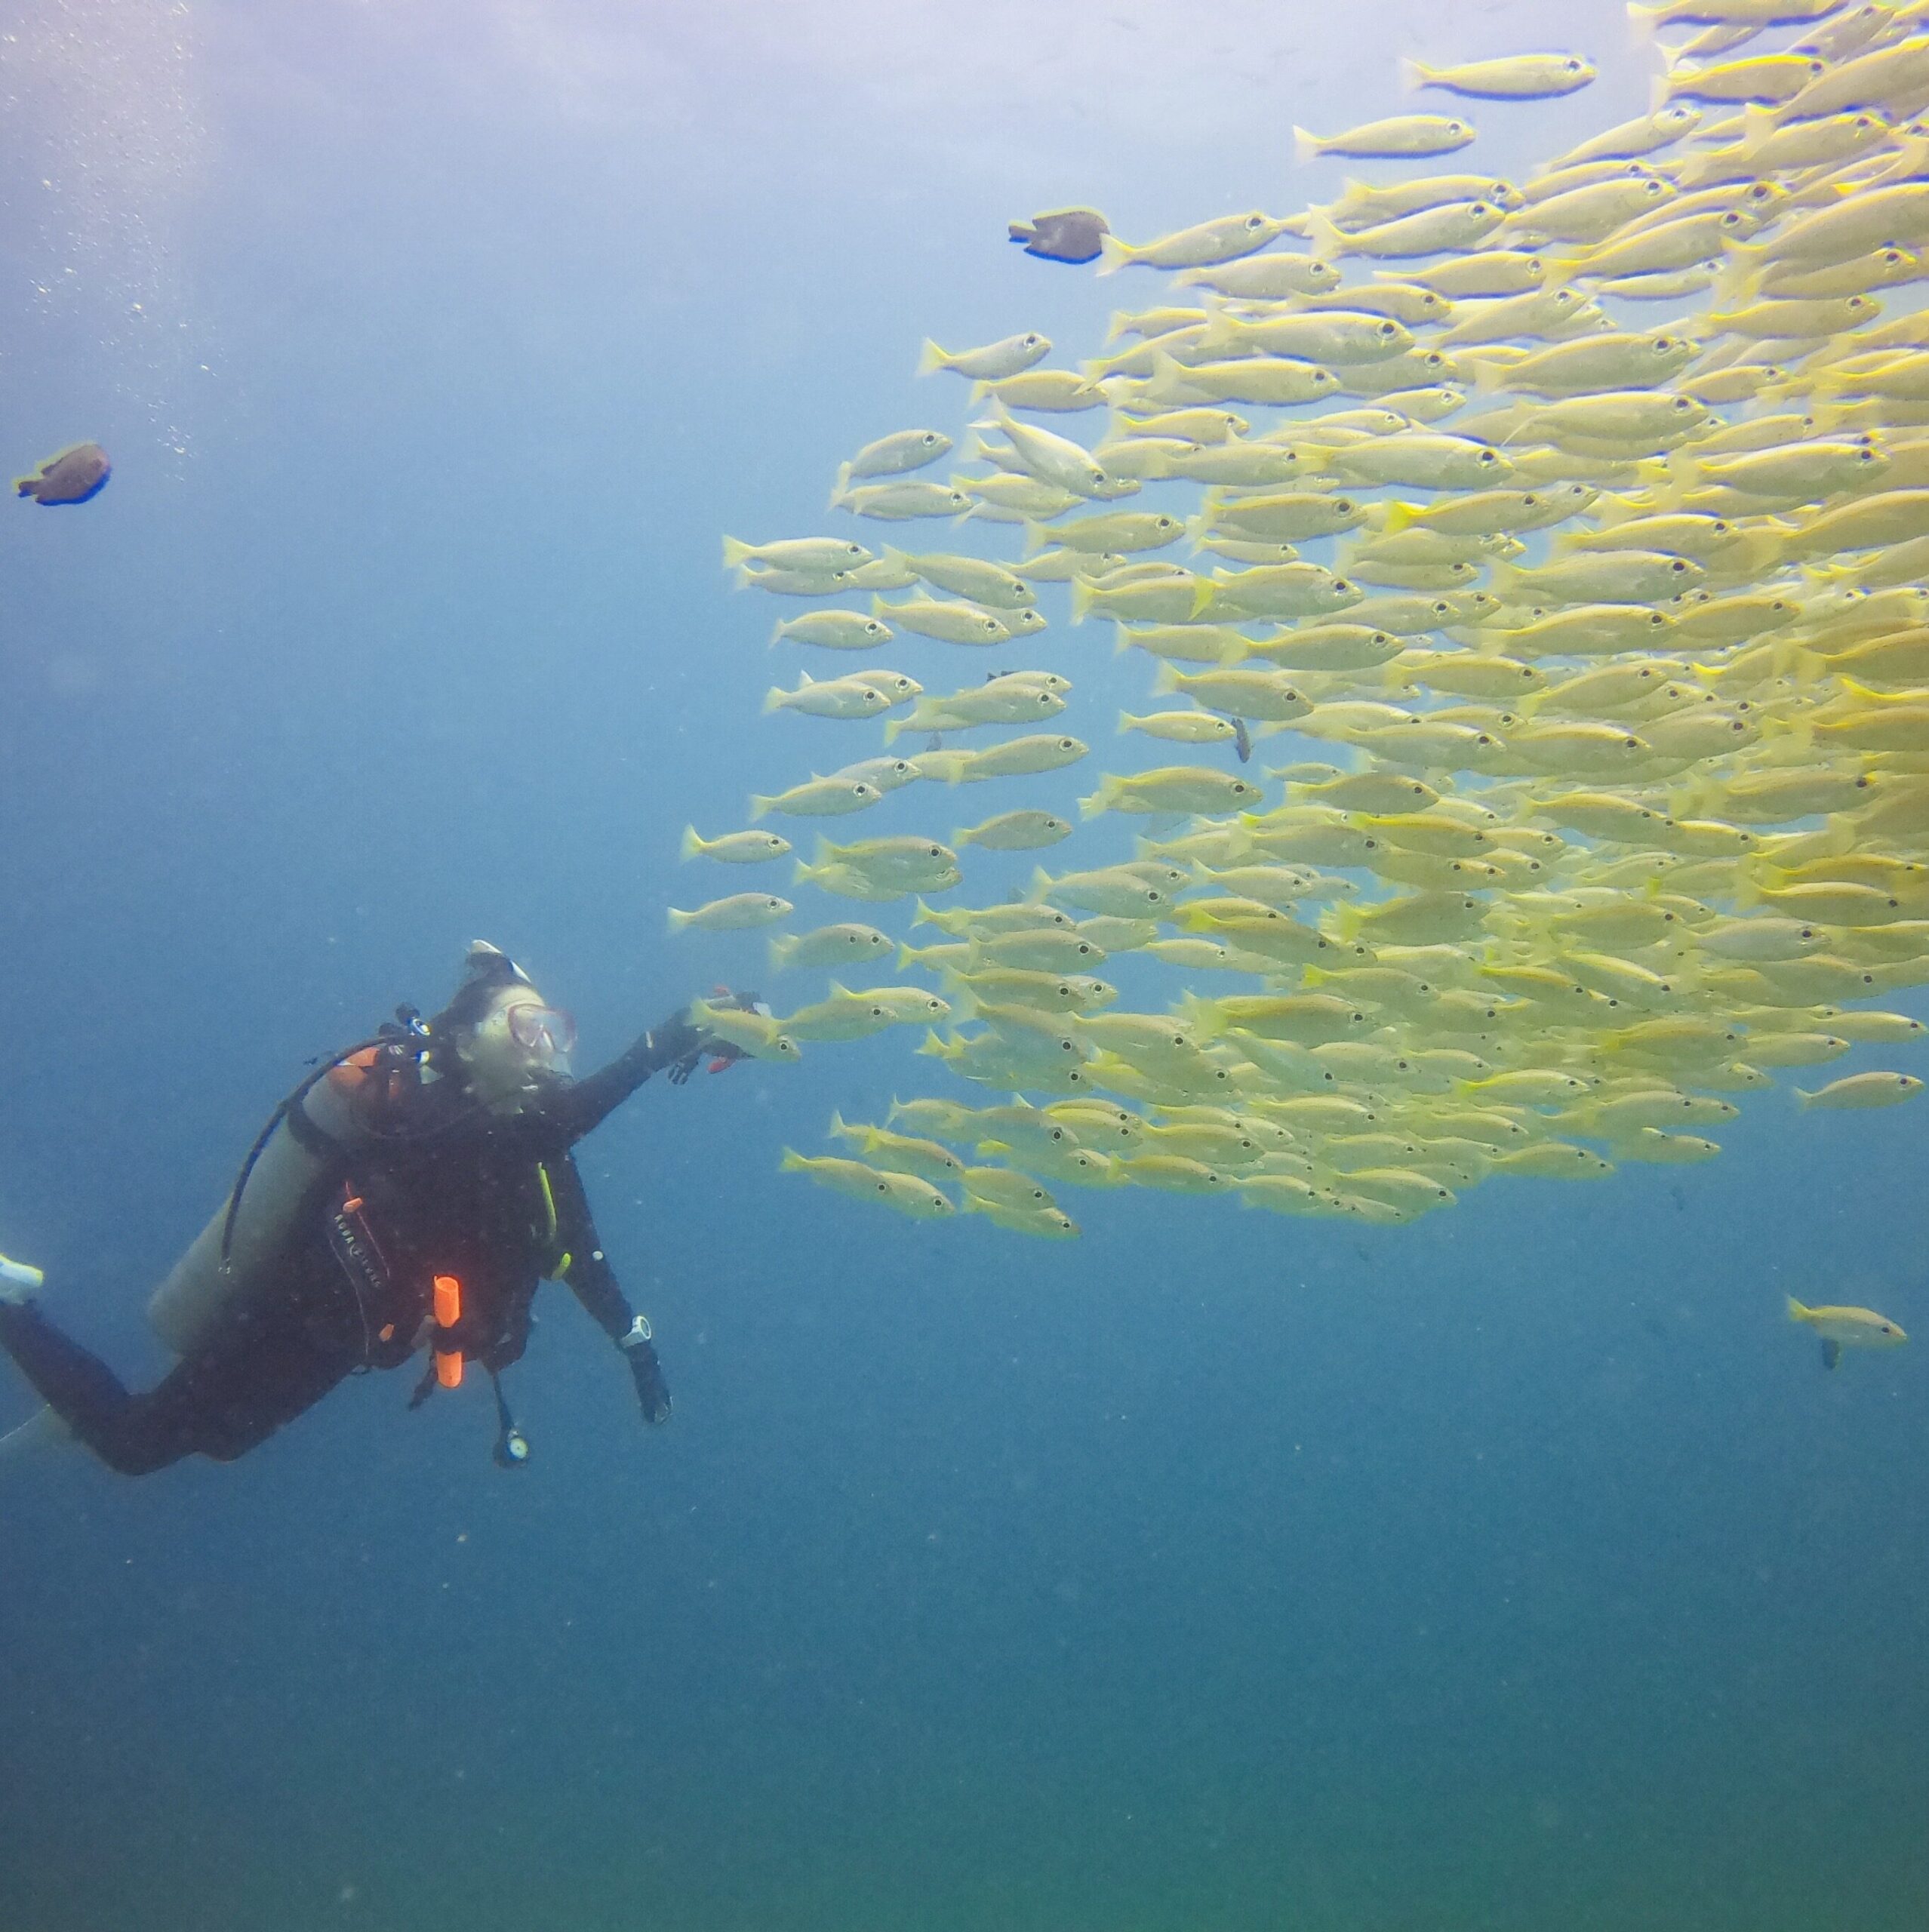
(413, 1190)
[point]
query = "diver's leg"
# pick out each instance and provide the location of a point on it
(232, 1393)
(83, 1392)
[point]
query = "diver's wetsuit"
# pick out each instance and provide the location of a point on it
(450, 1188)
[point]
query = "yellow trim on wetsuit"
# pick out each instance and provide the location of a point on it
(559, 1268)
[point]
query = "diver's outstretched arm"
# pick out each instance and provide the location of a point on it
(583, 1106)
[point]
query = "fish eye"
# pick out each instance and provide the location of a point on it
(1032, 341)
(1255, 221)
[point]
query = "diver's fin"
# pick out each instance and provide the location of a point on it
(1831, 1351)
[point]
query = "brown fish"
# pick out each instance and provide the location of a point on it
(1065, 234)
(72, 477)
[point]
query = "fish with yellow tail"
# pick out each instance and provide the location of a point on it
(1861, 1090)
(1847, 1327)
(1518, 77)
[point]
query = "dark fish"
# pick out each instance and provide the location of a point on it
(1065, 234)
(1831, 1351)
(72, 477)
(1242, 739)
(935, 743)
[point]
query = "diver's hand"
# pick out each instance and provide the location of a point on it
(676, 1046)
(647, 1372)
(720, 1053)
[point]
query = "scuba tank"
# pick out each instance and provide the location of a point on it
(312, 1137)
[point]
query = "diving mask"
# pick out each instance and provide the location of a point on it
(547, 1034)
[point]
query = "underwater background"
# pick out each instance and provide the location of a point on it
(1521, 1567)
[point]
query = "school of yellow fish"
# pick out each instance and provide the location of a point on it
(1571, 533)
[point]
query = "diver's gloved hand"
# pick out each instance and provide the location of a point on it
(647, 1372)
(692, 1044)
(676, 1046)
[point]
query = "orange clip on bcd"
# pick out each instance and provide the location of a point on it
(448, 1314)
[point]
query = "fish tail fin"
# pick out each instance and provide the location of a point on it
(759, 805)
(893, 728)
(841, 487)
(1804, 1098)
(1019, 231)
(879, 606)
(781, 946)
(1037, 537)
(1206, 1016)
(930, 358)
(774, 700)
(736, 553)
(792, 1162)
(1398, 516)
(1642, 21)
(23, 485)
(843, 1130)
(980, 390)
(1307, 147)
(1041, 883)
(1128, 722)
(1414, 74)
(678, 920)
(780, 630)
(1759, 122)
(1222, 332)
(924, 916)
(1740, 272)
(930, 1046)
(1081, 601)
(1203, 592)
(1165, 680)
(1798, 1312)
(692, 846)
(1115, 254)
(1323, 235)
(1167, 373)
(1786, 654)
(1098, 803)
(1347, 921)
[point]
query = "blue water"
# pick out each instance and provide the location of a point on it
(1519, 1568)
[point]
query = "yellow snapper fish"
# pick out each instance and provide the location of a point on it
(1014, 832)
(990, 363)
(1403, 137)
(735, 848)
(908, 1195)
(1205, 245)
(739, 912)
(904, 1153)
(1518, 77)
(1842, 1328)
(1860, 1091)
(853, 696)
